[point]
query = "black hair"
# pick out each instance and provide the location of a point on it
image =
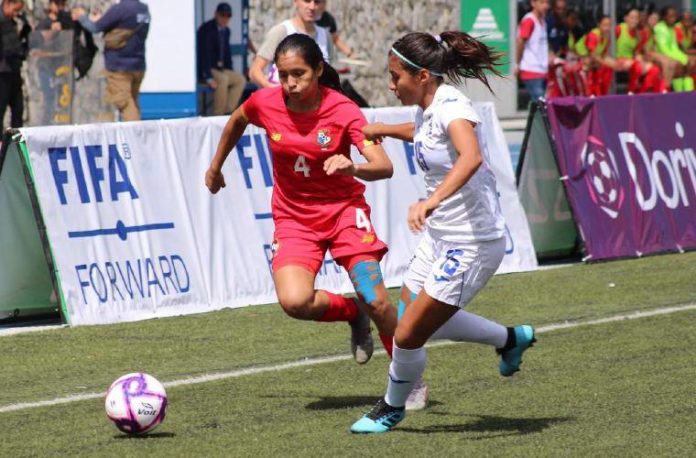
(309, 50)
(456, 54)
(628, 9)
(665, 10)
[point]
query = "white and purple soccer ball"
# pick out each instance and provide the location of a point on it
(136, 403)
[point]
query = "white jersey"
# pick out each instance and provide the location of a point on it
(535, 56)
(321, 37)
(472, 213)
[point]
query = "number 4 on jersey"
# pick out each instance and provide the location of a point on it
(301, 166)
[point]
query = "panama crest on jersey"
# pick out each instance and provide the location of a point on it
(324, 138)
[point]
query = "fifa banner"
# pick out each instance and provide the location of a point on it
(131, 232)
(629, 169)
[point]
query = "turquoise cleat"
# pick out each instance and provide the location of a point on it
(380, 419)
(512, 358)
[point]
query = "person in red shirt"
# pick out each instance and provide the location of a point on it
(317, 203)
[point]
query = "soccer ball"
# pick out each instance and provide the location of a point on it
(136, 403)
(602, 178)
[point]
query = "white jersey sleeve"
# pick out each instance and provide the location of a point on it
(455, 105)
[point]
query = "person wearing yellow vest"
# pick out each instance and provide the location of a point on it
(643, 76)
(593, 47)
(685, 32)
(648, 49)
(666, 45)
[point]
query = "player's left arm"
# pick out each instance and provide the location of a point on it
(377, 167)
(461, 132)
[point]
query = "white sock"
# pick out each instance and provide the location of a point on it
(467, 327)
(406, 368)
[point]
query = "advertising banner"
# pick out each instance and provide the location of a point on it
(135, 233)
(489, 21)
(629, 170)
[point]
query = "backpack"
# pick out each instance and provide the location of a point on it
(83, 53)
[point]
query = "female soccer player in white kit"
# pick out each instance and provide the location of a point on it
(463, 241)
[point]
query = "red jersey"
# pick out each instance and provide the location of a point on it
(300, 143)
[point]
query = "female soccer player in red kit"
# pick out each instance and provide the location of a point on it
(317, 203)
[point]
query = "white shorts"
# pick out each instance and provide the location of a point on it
(453, 272)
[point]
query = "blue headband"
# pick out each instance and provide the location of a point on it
(402, 57)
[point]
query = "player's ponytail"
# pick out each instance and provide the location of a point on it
(457, 55)
(306, 47)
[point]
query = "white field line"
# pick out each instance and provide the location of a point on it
(27, 329)
(332, 359)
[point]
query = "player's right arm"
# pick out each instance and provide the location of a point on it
(378, 130)
(231, 134)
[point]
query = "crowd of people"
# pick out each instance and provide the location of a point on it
(557, 55)
(653, 51)
(125, 27)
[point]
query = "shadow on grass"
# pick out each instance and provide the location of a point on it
(492, 424)
(160, 435)
(348, 402)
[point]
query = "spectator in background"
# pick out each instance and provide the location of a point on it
(557, 28)
(533, 50)
(643, 76)
(51, 50)
(594, 49)
(326, 20)
(215, 61)
(648, 49)
(59, 18)
(262, 72)
(667, 46)
(685, 32)
(125, 26)
(12, 54)
(566, 75)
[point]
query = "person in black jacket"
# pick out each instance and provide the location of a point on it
(125, 26)
(12, 53)
(59, 18)
(215, 61)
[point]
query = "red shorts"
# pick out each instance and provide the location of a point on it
(350, 238)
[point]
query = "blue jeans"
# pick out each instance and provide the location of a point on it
(536, 88)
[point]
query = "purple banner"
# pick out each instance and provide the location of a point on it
(629, 170)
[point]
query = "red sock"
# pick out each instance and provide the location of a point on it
(388, 342)
(651, 80)
(634, 74)
(340, 308)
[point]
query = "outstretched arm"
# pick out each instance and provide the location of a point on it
(231, 134)
(378, 130)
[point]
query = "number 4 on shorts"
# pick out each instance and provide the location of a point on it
(362, 221)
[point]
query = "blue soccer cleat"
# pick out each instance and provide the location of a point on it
(512, 358)
(380, 419)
